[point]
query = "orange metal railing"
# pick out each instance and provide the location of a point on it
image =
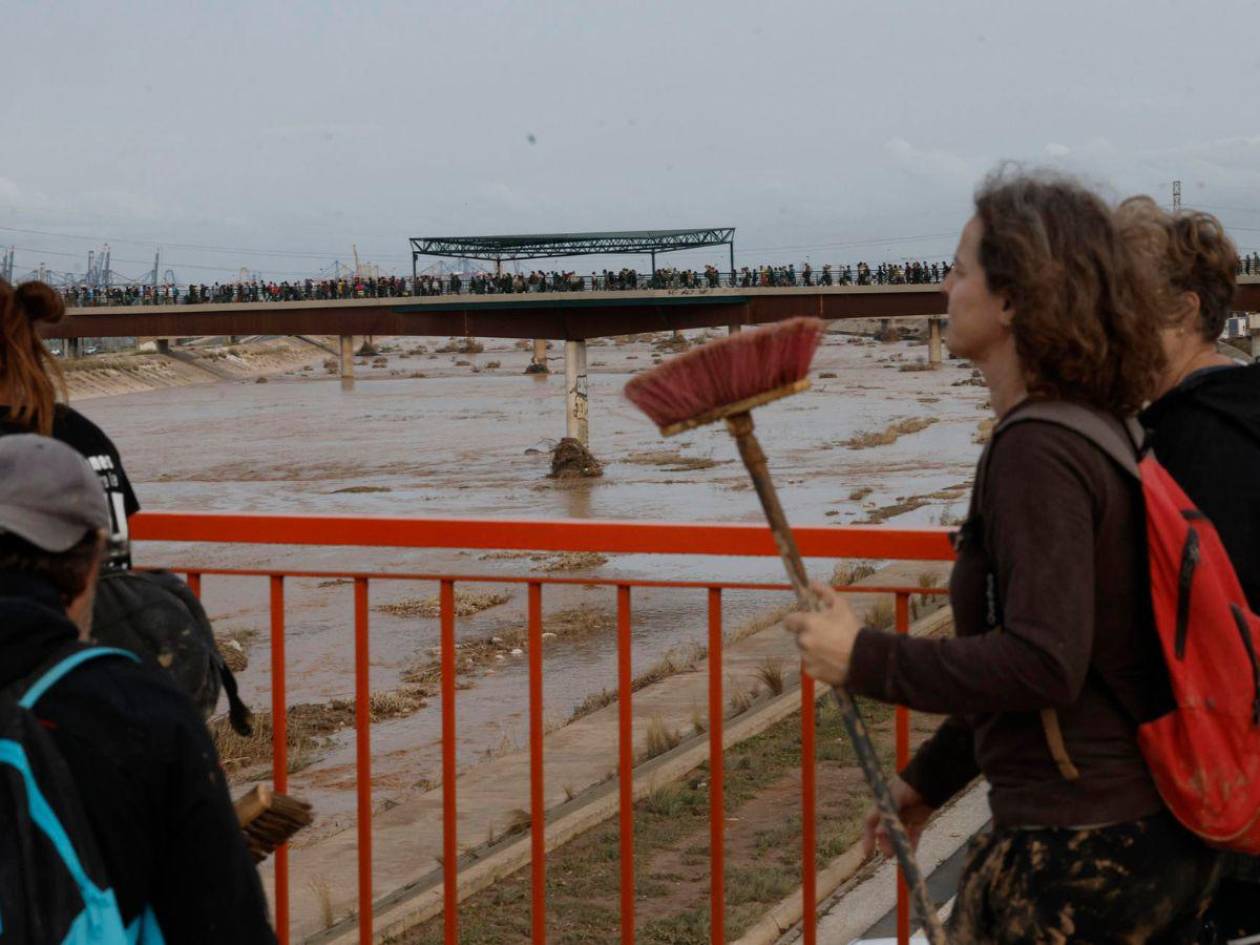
(571, 535)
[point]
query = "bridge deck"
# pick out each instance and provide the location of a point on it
(556, 315)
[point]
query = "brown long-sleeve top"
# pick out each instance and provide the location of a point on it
(1058, 530)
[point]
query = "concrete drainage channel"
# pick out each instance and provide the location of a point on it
(418, 902)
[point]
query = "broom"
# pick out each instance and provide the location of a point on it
(269, 819)
(725, 380)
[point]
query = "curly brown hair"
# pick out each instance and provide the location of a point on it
(30, 378)
(1192, 252)
(1083, 300)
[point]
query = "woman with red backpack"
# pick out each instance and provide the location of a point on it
(1204, 428)
(1056, 659)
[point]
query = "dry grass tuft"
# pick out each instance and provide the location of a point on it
(741, 701)
(857, 495)
(889, 434)
(850, 572)
(880, 615)
(467, 603)
(699, 722)
(519, 820)
(659, 739)
(323, 895)
(770, 672)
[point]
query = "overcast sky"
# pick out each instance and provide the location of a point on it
(285, 132)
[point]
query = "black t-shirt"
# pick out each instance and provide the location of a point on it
(76, 430)
(1206, 433)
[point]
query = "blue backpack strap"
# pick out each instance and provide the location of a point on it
(51, 677)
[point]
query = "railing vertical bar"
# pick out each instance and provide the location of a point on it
(538, 823)
(902, 717)
(625, 745)
(717, 803)
(363, 757)
(279, 748)
(194, 583)
(450, 845)
(809, 839)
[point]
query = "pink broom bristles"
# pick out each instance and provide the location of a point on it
(726, 371)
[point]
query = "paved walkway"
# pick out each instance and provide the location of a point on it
(407, 838)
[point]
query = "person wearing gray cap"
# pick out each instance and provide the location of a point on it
(133, 746)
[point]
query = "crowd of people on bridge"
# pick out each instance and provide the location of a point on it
(505, 283)
(916, 272)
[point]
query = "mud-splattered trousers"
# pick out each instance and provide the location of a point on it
(1149, 880)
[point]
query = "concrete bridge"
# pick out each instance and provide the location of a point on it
(562, 316)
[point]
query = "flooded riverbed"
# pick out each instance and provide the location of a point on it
(461, 443)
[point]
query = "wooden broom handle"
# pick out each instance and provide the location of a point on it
(740, 426)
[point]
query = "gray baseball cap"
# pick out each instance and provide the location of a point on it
(48, 493)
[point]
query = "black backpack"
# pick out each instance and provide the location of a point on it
(53, 888)
(157, 616)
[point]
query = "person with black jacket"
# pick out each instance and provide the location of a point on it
(1204, 427)
(141, 761)
(144, 768)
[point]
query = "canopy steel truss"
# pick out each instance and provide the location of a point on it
(554, 245)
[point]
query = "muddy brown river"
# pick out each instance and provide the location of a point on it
(476, 444)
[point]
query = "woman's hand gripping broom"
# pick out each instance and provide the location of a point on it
(725, 380)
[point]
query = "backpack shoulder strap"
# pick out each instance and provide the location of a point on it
(1122, 441)
(54, 674)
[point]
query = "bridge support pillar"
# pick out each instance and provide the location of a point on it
(733, 329)
(576, 397)
(538, 362)
(163, 345)
(73, 347)
(934, 341)
(347, 357)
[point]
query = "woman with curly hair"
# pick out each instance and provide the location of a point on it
(1205, 430)
(31, 384)
(1056, 658)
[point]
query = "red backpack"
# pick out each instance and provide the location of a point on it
(1204, 755)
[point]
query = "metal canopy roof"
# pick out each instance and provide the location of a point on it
(549, 245)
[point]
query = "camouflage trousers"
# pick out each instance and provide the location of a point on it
(1145, 881)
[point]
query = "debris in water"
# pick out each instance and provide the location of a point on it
(570, 459)
(467, 603)
(569, 561)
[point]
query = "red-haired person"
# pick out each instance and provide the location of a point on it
(1204, 427)
(31, 384)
